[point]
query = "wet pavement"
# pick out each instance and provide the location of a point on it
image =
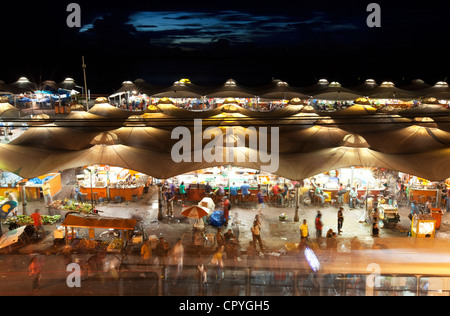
(275, 233)
(277, 236)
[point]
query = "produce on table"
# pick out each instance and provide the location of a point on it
(79, 207)
(72, 206)
(116, 244)
(27, 220)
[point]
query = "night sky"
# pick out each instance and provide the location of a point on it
(209, 42)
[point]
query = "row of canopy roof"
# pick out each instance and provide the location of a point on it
(414, 141)
(24, 85)
(278, 89)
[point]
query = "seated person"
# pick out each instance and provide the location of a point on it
(228, 235)
(76, 193)
(245, 191)
(219, 191)
(427, 208)
(208, 188)
(233, 192)
(319, 192)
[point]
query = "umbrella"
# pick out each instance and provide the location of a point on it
(11, 237)
(217, 219)
(7, 207)
(195, 211)
(208, 203)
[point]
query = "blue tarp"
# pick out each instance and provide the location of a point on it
(217, 218)
(39, 181)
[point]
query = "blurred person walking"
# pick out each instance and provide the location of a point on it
(37, 221)
(178, 256)
(146, 252)
(340, 219)
(34, 271)
(217, 262)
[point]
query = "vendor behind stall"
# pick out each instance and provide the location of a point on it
(245, 191)
(10, 196)
(208, 188)
(233, 192)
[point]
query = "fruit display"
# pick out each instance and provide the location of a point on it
(72, 206)
(115, 245)
(78, 207)
(27, 220)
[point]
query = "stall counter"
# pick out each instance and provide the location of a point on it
(361, 193)
(421, 195)
(126, 193)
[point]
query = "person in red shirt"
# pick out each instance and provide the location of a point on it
(37, 221)
(318, 224)
(276, 191)
(226, 209)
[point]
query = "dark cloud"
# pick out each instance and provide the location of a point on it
(297, 41)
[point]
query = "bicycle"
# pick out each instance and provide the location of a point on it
(110, 232)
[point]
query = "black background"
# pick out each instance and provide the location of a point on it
(411, 43)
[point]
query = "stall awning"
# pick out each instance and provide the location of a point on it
(73, 220)
(117, 94)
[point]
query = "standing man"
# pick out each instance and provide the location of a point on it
(340, 219)
(340, 194)
(353, 197)
(318, 224)
(261, 205)
(169, 196)
(256, 234)
(47, 193)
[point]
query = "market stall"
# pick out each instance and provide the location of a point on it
(225, 177)
(388, 214)
(33, 187)
(114, 183)
(421, 195)
(90, 222)
(364, 180)
(423, 226)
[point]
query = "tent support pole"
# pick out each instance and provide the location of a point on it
(296, 217)
(160, 207)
